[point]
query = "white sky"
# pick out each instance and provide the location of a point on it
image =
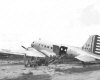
(61, 21)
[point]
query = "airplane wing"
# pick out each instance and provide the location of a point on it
(34, 52)
(85, 58)
(48, 53)
(30, 53)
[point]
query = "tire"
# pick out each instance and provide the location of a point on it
(26, 65)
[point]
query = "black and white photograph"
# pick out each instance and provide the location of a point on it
(49, 39)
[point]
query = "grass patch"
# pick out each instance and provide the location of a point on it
(30, 76)
(78, 70)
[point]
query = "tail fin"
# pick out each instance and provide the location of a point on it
(92, 44)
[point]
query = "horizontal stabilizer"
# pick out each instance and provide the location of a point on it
(85, 58)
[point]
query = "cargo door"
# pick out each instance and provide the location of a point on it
(56, 49)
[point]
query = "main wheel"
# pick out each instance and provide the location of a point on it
(26, 63)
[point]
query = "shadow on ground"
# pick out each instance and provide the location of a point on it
(78, 70)
(30, 76)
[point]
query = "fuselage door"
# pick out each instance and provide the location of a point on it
(63, 50)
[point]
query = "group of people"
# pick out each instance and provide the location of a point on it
(36, 61)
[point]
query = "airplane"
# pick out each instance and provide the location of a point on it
(89, 52)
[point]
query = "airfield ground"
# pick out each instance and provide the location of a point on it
(13, 71)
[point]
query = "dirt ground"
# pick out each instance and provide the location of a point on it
(51, 72)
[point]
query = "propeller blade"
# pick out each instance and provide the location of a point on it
(24, 47)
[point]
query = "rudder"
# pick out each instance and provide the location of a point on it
(92, 44)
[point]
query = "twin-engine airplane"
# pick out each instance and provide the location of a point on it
(89, 52)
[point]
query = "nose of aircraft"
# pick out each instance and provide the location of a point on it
(32, 45)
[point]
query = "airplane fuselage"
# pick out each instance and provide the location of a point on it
(55, 49)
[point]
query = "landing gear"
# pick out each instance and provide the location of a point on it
(83, 63)
(34, 62)
(86, 64)
(26, 65)
(27, 61)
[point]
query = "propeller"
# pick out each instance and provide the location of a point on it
(24, 47)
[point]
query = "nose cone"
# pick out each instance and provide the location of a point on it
(32, 45)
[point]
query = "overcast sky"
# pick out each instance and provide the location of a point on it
(61, 21)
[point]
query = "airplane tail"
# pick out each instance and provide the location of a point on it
(92, 44)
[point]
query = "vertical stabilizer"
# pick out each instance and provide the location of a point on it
(92, 44)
